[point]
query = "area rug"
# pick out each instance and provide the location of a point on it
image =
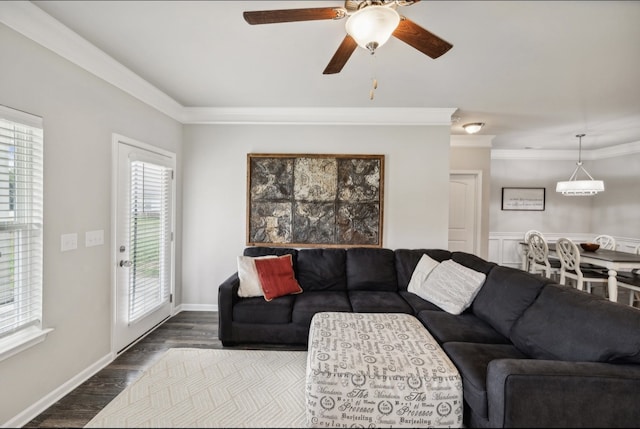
(213, 388)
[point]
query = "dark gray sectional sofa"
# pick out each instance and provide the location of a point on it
(531, 353)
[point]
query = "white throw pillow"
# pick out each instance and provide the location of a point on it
(249, 280)
(452, 286)
(420, 274)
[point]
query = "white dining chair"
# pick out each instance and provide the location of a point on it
(631, 280)
(526, 252)
(605, 242)
(539, 256)
(569, 255)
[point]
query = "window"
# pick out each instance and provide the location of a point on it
(21, 139)
(150, 232)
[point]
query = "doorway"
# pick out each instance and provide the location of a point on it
(143, 244)
(464, 211)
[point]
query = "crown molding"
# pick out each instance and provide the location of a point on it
(538, 154)
(567, 155)
(618, 150)
(318, 115)
(37, 25)
(473, 141)
(32, 22)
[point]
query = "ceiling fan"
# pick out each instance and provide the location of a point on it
(369, 24)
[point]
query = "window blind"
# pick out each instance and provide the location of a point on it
(149, 238)
(21, 197)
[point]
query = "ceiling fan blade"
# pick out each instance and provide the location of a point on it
(341, 56)
(293, 15)
(421, 39)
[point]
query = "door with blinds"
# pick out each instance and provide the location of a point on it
(144, 240)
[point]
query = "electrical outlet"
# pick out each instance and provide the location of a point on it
(68, 242)
(94, 238)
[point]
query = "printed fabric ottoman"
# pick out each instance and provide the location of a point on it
(378, 370)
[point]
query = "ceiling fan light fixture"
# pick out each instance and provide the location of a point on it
(575, 187)
(473, 127)
(372, 26)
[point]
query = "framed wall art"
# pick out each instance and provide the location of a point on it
(315, 200)
(523, 199)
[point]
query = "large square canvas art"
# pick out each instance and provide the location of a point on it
(312, 200)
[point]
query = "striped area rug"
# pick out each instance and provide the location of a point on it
(213, 388)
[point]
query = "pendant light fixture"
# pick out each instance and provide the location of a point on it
(575, 187)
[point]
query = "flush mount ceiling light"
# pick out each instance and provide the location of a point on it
(575, 187)
(372, 26)
(473, 127)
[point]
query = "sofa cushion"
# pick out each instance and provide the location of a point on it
(277, 277)
(407, 259)
(322, 269)
(371, 269)
(249, 279)
(568, 324)
(419, 277)
(505, 295)
(418, 304)
(452, 286)
(474, 262)
(257, 310)
(278, 251)
(465, 327)
(472, 361)
(310, 303)
(378, 302)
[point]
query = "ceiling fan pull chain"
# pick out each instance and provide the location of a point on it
(374, 80)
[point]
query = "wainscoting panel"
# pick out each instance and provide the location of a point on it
(505, 248)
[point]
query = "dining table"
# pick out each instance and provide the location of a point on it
(613, 260)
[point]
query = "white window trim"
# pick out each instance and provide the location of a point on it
(21, 341)
(26, 338)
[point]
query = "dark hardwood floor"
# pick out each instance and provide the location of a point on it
(192, 329)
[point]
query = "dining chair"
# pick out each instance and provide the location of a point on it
(526, 252)
(605, 242)
(631, 280)
(569, 255)
(539, 256)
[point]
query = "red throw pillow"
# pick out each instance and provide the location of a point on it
(276, 277)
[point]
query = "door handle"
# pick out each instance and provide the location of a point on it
(125, 264)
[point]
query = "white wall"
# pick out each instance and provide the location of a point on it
(617, 210)
(215, 156)
(561, 214)
(80, 114)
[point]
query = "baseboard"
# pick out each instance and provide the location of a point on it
(37, 408)
(196, 307)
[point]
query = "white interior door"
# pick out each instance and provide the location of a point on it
(464, 212)
(144, 240)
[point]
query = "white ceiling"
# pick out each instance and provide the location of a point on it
(536, 72)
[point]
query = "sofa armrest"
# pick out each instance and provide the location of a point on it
(545, 393)
(227, 297)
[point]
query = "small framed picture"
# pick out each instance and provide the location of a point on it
(523, 199)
